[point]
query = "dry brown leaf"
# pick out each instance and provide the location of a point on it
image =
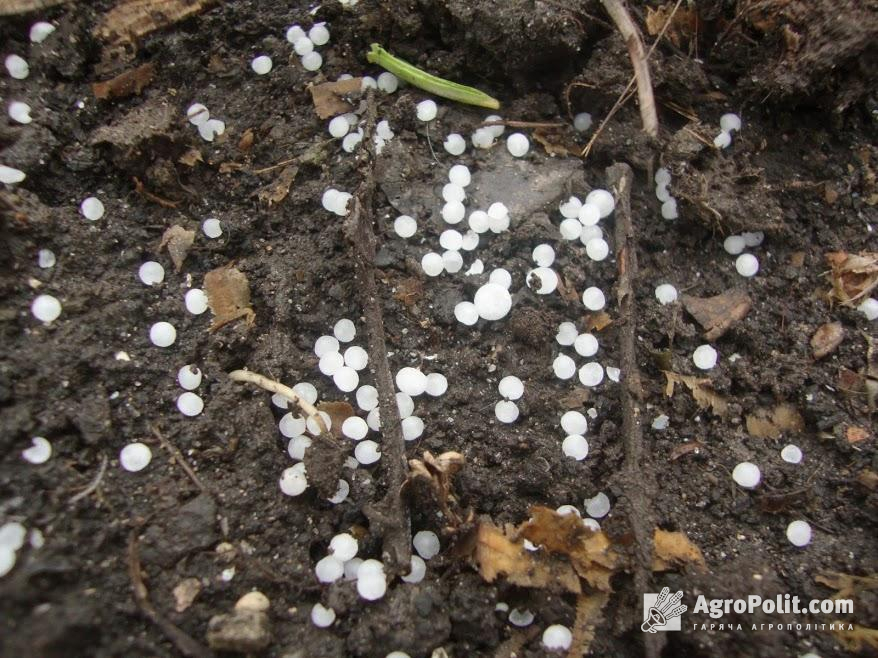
(328, 97)
(684, 23)
(846, 585)
(130, 82)
(131, 19)
(685, 449)
(701, 391)
(185, 593)
(853, 276)
(826, 339)
(409, 291)
(556, 143)
(178, 241)
(246, 141)
(228, 295)
(858, 638)
(869, 479)
(588, 616)
(674, 549)
(497, 555)
(772, 423)
(856, 434)
(149, 119)
(598, 321)
(338, 412)
(575, 399)
(720, 313)
(277, 191)
(13, 7)
(797, 259)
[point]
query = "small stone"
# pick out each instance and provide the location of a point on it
(243, 631)
(255, 601)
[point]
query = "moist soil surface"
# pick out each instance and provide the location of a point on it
(801, 170)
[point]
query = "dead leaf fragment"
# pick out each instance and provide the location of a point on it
(178, 241)
(338, 412)
(152, 118)
(675, 549)
(683, 23)
(131, 19)
(125, 84)
(12, 7)
(588, 616)
(277, 190)
(857, 639)
(685, 449)
(228, 295)
(854, 434)
(719, 313)
(329, 97)
(185, 593)
(598, 321)
(556, 143)
(847, 586)
(246, 141)
(868, 479)
(772, 423)
(826, 339)
(701, 390)
(191, 157)
(853, 276)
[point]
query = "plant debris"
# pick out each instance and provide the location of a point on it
(131, 82)
(178, 241)
(701, 390)
(826, 339)
(228, 295)
(329, 97)
(772, 423)
(853, 276)
(719, 313)
(277, 191)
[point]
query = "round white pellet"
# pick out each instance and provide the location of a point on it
(451, 240)
(292, 426)
(791, 454)
(411, 381)
(344, 330)
(511, 387)
(574, 422)
(405, 226)
(593, 298)
(293, 481)
(387, 82)
(586, 345)
(660, 422)
(499, 223)
(747, 475)
(356, 357)
(312, 61)
(603, 200)
(570, 208)
(196, 301)
(46, 258)
(367, 397)
(454, 144)
(722, 140)
(483, 138)
(426, 110)
(575, 446)
(544, 279)
(753, 238)
(212, 228)
(324, 345)
(151, 273)
(339, 126)
(466, 313)
(373, 419)
(372, 586)
(351, 141)
(341, 494)
(426, 543)
(566, 510)
(470, 241)
(747, 265)
(39, 31)
(197, 114)
(589, 214)
(506, 411)
(322, 617)
(869, 308)
(597, 507)
(135, 457)
(19, 112)
(571, 229)
(319, 34)
(45, 308)
(189, 377)
(303, 46)
(734, 244)
(498, 210)
(557, 638)
(367, 452)
(597, 249)
(344, 547)
(346, 379)
(613, 374)
(492, 301)
(564, 367)
(190, 404)
(437, 384)
(330, 199)
(543, 255)
(517, 144)
(12, 535)
(567, 333)
(662, 193)
(329, 569)
(582, 122)
(799, 533)
(452, 192)
(211, 128)
(590, 233)
(501, 277)
(520, 618)
(39, 452)
(417, 570)
(294, 33)
(662, 176)
(261, 64)
(729, 122)
(496, 130)
(368, 83)
(162, 334)
(479, 221)
(412, 428)
(453, 212)
(92, 208)
(313, 426)
(11, 175)
(306, 391)
(665, 293)
(591, 374)
(459, 175)
(669, 209)
(355, 428)
(17, 67)
(704, 357)
(405, 404)
(330, 363)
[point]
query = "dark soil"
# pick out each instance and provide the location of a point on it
(802, 170)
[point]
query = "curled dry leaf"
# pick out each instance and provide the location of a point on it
(853, 276)
(132, 81)
(673, 549)
(720, 313)
(826, 339)
(228, 295)
(185, 593)
(854, 434)
(338, 412)
(279, 188)
(329, 97)
(701, 391)
(178, 241)
(686, 449)
(772, 423)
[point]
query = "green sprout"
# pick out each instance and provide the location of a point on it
(428, 82)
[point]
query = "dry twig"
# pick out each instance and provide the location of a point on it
(178, 456)
(94, 484)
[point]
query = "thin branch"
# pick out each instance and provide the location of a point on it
(178, 456)
(524, 124)
(94, 484)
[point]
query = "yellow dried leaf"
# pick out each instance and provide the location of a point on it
(853, 276)
(858, 638)
(185, 593)
(701, 391)
(846, 585)
(772, 423)
(675, 549)
(228, 295)
(588, 616)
